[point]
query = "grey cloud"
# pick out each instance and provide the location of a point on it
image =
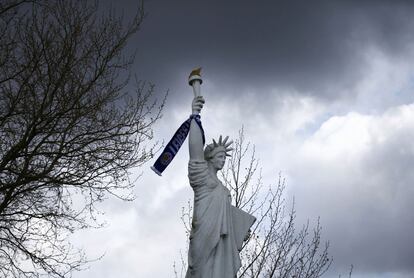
(312, 47)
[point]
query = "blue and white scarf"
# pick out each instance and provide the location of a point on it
(175, 144)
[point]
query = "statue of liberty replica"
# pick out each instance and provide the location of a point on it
(218, 229)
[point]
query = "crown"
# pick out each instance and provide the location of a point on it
(222, 146)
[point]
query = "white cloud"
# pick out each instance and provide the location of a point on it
(355, 172)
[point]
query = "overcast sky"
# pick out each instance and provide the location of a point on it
(324, 89)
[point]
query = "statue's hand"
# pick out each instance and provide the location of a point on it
(198, 103)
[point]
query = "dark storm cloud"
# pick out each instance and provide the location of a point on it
(314, 47)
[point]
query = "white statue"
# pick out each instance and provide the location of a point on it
(218, 228)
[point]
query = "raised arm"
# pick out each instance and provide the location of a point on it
(196, 139)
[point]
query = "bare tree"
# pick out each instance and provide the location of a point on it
(70, 132)
(275, 248)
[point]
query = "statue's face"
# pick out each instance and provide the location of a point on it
(218, 160)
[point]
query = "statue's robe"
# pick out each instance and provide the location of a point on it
(218, 228)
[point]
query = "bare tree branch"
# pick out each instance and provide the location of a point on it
(70, 132)
(275, 248)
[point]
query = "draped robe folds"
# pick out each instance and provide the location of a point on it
(218, 228)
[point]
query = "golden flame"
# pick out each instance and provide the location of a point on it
(196, 71)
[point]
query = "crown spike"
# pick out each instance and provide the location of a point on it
(226, 145)
(225, 140)
(215, 143)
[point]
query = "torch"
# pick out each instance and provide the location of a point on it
(194, 80)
